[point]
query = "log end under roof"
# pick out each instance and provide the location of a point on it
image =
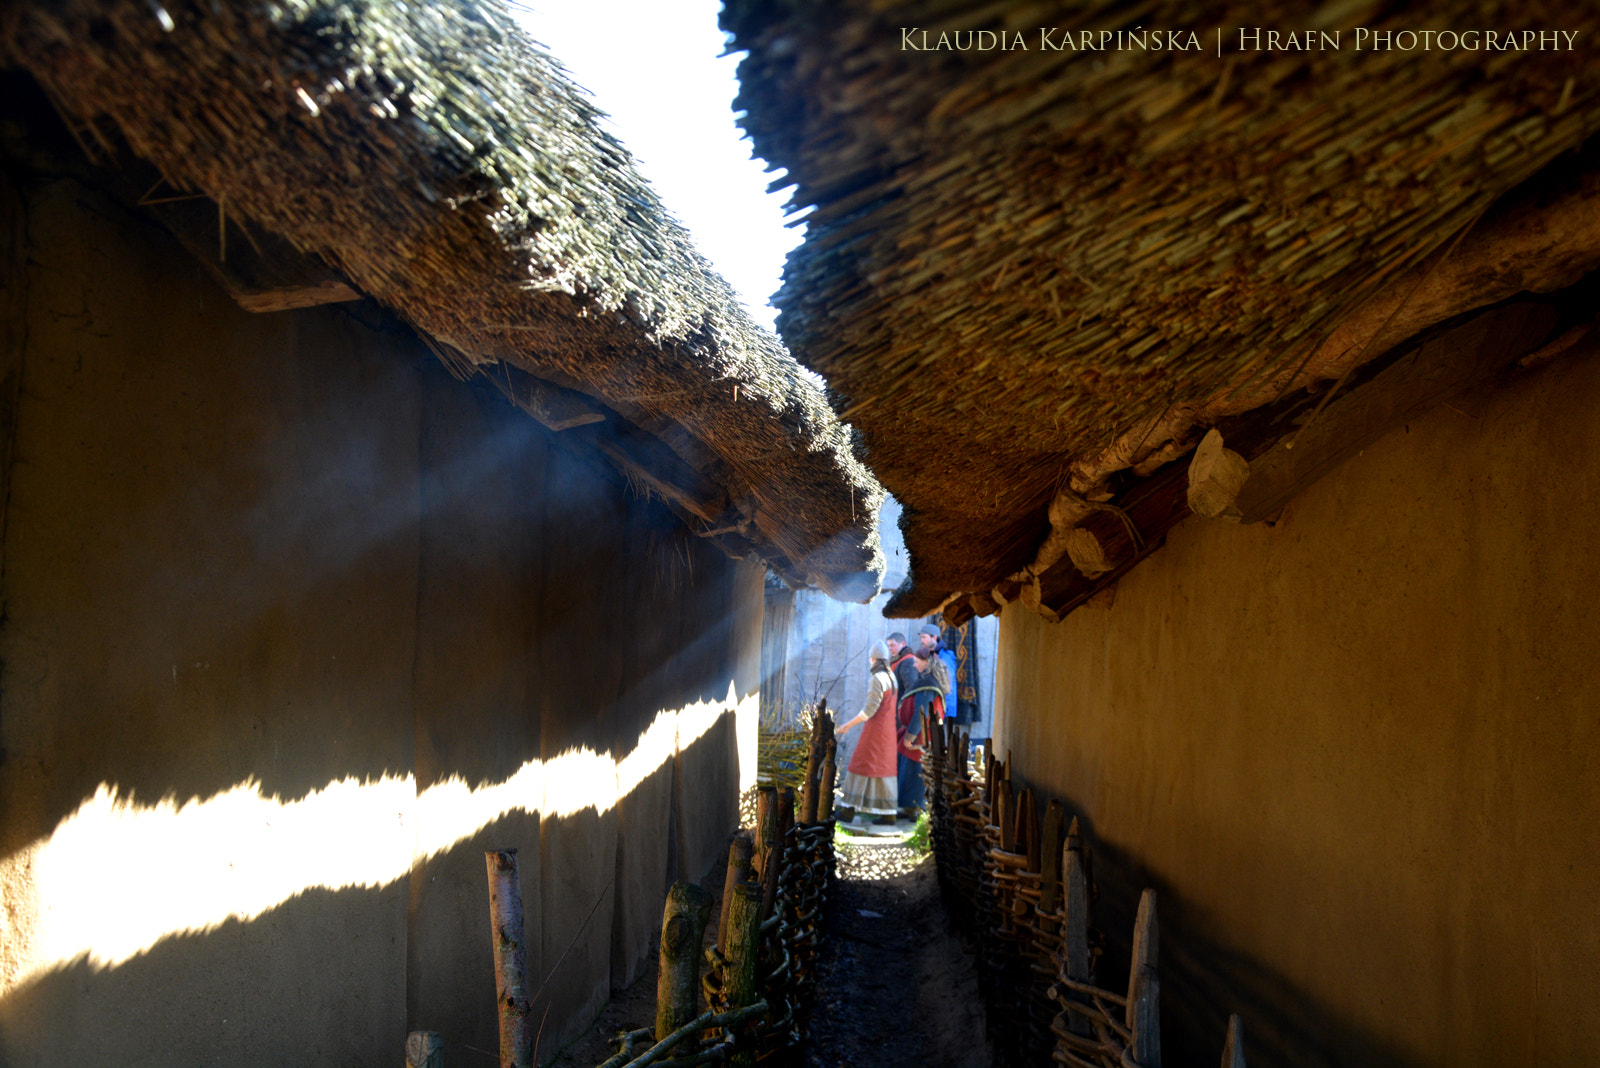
(1034, 276)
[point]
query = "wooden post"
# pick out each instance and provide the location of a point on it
(814, 756)
(1233, 1048)
(1144, 989)
(769, 849)
(424, 1049)
(740, 850)
(785, 816)
(766, 823)
(683, 928)
(742, 949)
(510, 962)
(1050, 858)
(830, 772)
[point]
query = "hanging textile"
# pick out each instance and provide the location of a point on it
(963, 641)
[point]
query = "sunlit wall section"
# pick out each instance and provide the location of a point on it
(117, 877)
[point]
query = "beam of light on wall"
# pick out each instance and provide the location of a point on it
(117, 876)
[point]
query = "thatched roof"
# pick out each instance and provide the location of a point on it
(1031, 268)
(434, 155)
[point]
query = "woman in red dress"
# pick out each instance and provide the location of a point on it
(871, 784)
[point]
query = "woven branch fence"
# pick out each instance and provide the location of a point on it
(760, 978)
(1024, 891)
(760, 974)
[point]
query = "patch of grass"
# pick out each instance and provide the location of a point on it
(917, 841)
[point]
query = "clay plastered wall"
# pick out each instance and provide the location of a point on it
(297, 626)
(1355, 753)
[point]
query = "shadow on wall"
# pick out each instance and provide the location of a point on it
(1203, 982)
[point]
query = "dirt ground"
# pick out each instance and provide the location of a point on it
(895, 988)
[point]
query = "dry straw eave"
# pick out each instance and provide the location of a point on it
(1044, 249)
(448, 167)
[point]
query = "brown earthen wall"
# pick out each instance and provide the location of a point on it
(284, 571)
(1355, 752)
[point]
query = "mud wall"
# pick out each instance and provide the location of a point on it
(296, 626)
(1355, 752)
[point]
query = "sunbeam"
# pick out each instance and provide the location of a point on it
(117, 876)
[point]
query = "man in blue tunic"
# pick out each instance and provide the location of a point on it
(945, 658)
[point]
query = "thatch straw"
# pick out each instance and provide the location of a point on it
(1022, 254)
(445, 164)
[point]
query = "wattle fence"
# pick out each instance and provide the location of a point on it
(759, 982)
(1022, 888)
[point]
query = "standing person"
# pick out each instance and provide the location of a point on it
(871, 784)
(900, 661)
(944, 672)
(920, 712)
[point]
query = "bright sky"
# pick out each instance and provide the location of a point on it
(653, 66)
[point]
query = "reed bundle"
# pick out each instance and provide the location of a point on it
(1013, 257)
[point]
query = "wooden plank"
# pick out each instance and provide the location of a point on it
(261, 271)
(665, 474)
(557, 408)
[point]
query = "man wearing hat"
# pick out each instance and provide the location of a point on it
(942, 664)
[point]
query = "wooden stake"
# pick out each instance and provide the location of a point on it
(1002, 815)
(510, 962)
(808, 796)
(740, 850)
(1233, 1048)
(424, 1049)
(741, 950)
(1075, 928)
(830, 772)
(1050, 858)
(1144, 989)
(785, 817)
(683, 927)
(769, 849)
(1028, 828)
